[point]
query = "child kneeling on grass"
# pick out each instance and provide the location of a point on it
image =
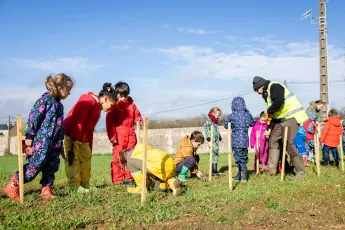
(186, 157)
(160, 167)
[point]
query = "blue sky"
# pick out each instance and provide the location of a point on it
(170, 52)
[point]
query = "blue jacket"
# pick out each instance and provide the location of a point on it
(240, 120)
(299, 141)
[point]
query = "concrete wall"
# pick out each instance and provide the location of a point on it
(165, 139)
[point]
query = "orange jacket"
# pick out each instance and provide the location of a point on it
(185, 150)
(332, 131)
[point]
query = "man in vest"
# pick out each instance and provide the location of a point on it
(286, 111)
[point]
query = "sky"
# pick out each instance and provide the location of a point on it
(179, 57)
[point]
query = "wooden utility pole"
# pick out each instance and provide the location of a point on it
(322, 22)
(323, 56)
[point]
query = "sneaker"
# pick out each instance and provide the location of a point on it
(326, 163)
(11, 189)
(46, 193)
(83, 191)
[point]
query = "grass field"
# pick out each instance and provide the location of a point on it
(263, 203)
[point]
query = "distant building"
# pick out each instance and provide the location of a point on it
(3, 130)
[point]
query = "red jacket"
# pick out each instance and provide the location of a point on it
(81, 120)
(122, 118)
(332, 131)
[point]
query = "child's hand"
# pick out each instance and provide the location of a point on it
(28, 142)
(199, 174)
(114, 142)
(267, 133)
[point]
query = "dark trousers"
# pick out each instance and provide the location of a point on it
(325, 153)
(188, 163)
(241, 157)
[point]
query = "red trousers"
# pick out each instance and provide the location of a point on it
(126, 139)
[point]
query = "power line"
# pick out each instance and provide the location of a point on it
(187, 107)
(312, 82)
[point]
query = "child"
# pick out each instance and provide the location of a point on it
(310, 128)
(212, 120)
(330, 137)
(79, 126)
(300, 144)
(44, 133)
(160, 167)
(186, 157)
(120, 128)
(240, 120)
(260, 126)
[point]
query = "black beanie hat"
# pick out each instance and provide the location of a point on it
(258, 82)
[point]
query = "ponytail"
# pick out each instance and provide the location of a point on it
(108, 91)
(51, 86)
(59, 81)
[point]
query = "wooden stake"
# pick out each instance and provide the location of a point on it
(284, 153)
(341, 152)
(230, 157)
(138, 131)
(317, 152)
(20, 158)
(211, 153)
(144, 169)
(257, 152)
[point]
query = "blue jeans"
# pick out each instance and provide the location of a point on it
(241, 157)
(310, 146)
(325, 153)
(188, 163)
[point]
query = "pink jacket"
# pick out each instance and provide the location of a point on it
(261, 127)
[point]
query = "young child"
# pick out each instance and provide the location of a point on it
(79, 126)
(120, 128)
(330, 137)
(310, 128)
(240, 120)
(212, 120)
(160, 167)
(44, 134)
(300, 144)
(186, 157)
(260, 126)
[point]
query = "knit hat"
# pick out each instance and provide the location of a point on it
(258, 82)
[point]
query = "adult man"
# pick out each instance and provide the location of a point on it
(286, 111)
(316, 107)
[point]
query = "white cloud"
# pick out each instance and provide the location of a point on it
(120, 47)
(167, 26)
(193, 31)
(56, 65)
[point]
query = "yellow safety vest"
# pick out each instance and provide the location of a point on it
(291, 108)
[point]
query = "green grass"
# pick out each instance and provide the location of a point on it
(264, 202)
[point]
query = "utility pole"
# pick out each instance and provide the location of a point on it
(8, 135)
(322, 22)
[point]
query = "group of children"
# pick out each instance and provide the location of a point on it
(48, 135)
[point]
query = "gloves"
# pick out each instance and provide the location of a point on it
(71, 154)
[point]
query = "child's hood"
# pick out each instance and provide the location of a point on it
(186, 142)
(334, 121)
(238, 104)
(139, 148)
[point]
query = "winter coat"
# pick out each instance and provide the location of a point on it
(82, 119)
(309, 127)
(120, 122)
(313, 109)
(45, 125)
(185, 150)
(299, 141)
(331, 132)
(240, 120)
(216, 135)
(158, 162)
(261, 128)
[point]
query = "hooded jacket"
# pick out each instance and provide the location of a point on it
(313, 109)
(299, 141)
(261, 128)
(331, 132)
(240, 120)
(158, 162)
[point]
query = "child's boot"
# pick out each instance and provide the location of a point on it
(46, 193)
(174, 184)
(305, 160)
(326, 163)
(244, 174)
(214, 170)
(182, 175)
(337, 164)
(138, 178)
(11, 189)
(238, 176)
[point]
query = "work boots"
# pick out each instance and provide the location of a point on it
(274, 155)
(299, 167)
